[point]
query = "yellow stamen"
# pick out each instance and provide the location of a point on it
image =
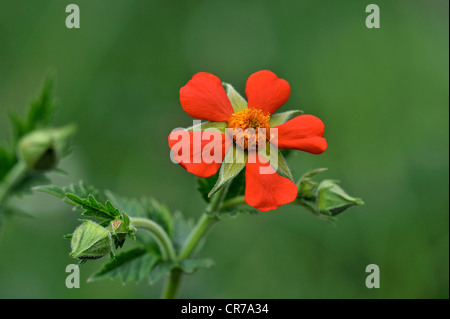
(246, 125)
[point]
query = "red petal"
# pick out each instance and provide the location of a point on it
(197, 144)
(266, 91)
(304, 133)
(204, 98)
(267, 191)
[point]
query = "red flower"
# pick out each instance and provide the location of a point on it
(204, 97)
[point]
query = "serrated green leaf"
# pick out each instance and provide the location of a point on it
(42, 109)
(189, 266)
(39, 114)
(51, 189)
(81, 190)
(280, 118)
(92, 207)
(130, 266)
(181, 231)
(232, 165)
(162, 268)
(237, 101)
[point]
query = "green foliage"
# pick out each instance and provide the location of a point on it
(35, 149)
(40, 113)
(182, 229)
(145, 208)
(130, 266)
(80, 190)
(92, 208)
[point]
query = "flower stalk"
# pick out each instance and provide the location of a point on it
(15, 175)
(160, 235)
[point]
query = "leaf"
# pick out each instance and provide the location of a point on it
(130, 266)
(280, 118)
(233, 163)
(30, 180)
(39, 114)
(52, 190)
(91, 207)
(237, 101)
(204, 186)
(81, 190)
(162, 268)
(42, 110)
(181, 230)
(189, 266)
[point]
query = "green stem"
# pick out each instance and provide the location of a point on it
(14, 176)
(172, 285)
(159, 233)
(201, 228)
(232, 202)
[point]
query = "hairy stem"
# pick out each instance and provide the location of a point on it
(159, 233)
(14, 176)
(201, 228)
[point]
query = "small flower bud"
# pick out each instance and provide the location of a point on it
(332, 199)
(43, 149)
(90, 241)
(119, 232)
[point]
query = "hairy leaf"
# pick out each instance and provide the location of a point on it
(91, 207)
(130, 266)
(181, 230)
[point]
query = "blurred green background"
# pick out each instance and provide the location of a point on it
(382, 94)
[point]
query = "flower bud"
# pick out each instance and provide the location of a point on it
(90, 241)
(43, 149)
(119, 232)
(332, 199)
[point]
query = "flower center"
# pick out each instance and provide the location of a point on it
(250, 128)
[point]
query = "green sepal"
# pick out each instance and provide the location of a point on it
(42, 150)
(233, 163)
(237, 101)
(90, 241)
(280, 118)
(204, 126)
(333, 200)
(131, 266)
(282, 166)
